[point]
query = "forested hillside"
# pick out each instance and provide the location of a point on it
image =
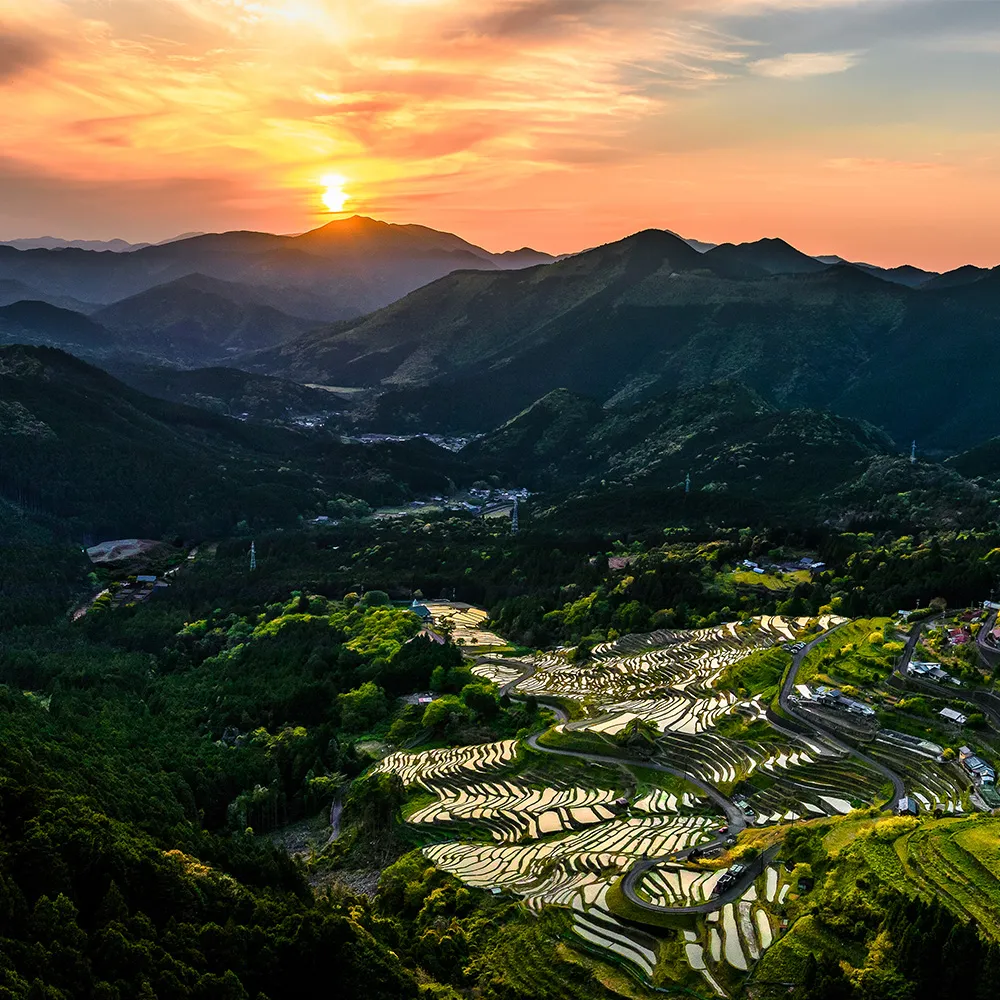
(107, 461)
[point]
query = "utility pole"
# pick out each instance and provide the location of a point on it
(253, 556)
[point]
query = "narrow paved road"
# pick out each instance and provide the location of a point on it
(898, 786)
(734, 815)
(754, 870)
(797, 725)
(528, 671)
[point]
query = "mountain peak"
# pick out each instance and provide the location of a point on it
(767, 256)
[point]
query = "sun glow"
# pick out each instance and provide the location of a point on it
(334, 197)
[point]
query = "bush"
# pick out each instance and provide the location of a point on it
(362, 708)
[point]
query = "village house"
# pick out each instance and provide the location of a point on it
(953, 716)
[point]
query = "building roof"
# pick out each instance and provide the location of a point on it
(950, 713)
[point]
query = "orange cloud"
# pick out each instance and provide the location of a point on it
(560, 122)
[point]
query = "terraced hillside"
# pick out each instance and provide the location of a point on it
(657, 663)
(662, 757)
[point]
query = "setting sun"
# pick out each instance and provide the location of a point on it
(334, 197)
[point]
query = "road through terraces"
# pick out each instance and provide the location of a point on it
(794, 724)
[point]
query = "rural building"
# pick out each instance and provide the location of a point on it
(833, 698)
(907, 806)
(915, 743)
(977, 768)
(932, 671)
(420, 610)
(950, 715)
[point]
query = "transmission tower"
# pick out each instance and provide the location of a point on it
(687, 482)
(513, 518)
(913, 453)
(253, 556)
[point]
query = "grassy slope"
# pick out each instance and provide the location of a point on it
(850, 656)
(955, 860)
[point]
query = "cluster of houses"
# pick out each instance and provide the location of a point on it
(142, 589)
(960, 636)
(932, 672)
(827, 697)
(481, 501)
(977, 768)
(812, 565)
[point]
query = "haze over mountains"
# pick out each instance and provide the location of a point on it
(440, 335)
(345, 268)
(648, 315)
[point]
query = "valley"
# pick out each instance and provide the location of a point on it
(573, 628)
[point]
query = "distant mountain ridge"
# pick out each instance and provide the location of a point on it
(39, 323)
(650, 314)
(230, 391)
(722, 433)
(343, 269)
(197, 319)
(114, 246)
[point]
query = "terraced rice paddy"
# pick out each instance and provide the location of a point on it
(677, 885)
(678, 713)
(645, 666)
(803, 785)
(958, 862)
(600, 929)
(739, 933)
(510, 810)
(932, 784)
(558, 871)
(465, 623)
(433, 765)
(661, 661)
(788, 780)
(497, 671)
(557, 840)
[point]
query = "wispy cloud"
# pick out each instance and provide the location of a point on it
(796, 65)
(492, 114)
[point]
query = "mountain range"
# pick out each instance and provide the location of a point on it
(437, 334)
(343, 269)
(649, 314)
(200, 299)
(81, 450)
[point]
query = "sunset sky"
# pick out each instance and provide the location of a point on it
(868, 128)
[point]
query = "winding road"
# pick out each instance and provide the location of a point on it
(898, 786)
(794, 724)
(988, 702)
